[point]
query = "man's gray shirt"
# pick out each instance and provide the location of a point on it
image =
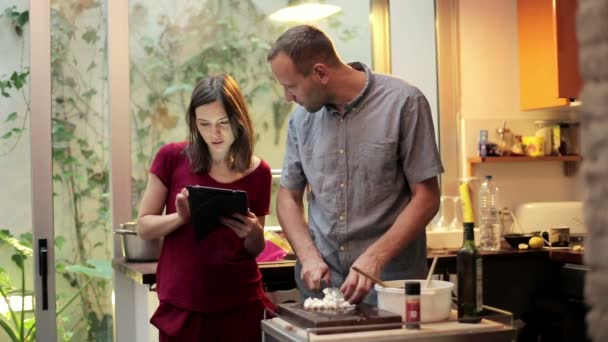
(359, 167)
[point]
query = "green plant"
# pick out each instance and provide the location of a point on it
(19, 325)
(13, 125)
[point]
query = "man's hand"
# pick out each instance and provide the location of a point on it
(356, 286)
(313, 270)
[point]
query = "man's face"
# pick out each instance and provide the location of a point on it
(306, 91)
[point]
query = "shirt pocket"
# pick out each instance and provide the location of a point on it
(379, 168)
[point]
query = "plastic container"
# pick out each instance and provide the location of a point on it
(489, 223)
(435, 301)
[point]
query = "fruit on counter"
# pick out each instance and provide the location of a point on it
(522, 246)
(578, 248)
(536, 242)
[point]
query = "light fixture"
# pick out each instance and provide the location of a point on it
(305, 12)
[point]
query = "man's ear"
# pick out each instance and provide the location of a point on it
(321, 72)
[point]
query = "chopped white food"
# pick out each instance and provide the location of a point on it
(333, 299)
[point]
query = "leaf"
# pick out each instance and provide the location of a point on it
(90, 93)
(7, 135)
(18, 260)
(90, 36)
(11, 117)
(99, 269)
(91, 66)
(23, 18)
(59, 242)
(5, 281)
(17, 245)
(177, 88)
(8, 329)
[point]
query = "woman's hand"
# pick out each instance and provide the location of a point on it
(182, 206)
(248, 227)
(242, 225)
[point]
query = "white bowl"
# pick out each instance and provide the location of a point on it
(435, 301)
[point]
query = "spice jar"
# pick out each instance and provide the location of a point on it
(412, 305)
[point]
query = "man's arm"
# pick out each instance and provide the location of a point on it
(290, 211)
(423, 206)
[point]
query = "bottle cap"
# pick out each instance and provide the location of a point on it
(412, 288)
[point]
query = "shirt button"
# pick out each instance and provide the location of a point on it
(341, 185)
(341, 151)
(342, 248)
(341, 217)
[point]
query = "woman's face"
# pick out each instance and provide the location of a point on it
(214, 126)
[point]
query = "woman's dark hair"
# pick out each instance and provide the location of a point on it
(305, 45)
(221, 88)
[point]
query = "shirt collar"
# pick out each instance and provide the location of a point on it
(368, 82)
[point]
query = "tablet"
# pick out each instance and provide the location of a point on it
(208, 204)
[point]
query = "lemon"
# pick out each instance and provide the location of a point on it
(536, 242)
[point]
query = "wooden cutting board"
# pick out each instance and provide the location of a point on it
(349, 320)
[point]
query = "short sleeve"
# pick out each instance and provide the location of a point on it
(292, 174)
(260, 205)
(163, 163)
(418, 148)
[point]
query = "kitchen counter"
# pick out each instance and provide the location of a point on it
(145, 272)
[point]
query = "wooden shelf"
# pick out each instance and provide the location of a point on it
(570, 162)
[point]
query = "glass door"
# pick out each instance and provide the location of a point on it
(55, 226)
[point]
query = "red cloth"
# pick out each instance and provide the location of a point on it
(215, 274)
(239, 325)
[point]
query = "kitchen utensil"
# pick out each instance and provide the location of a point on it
(515, 239)
(431, 270)
(354, 319)
(435, 300)
(135, 248)
(369, 276)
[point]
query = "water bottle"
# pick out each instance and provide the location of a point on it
(489, 223)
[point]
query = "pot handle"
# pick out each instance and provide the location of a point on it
(128, 225)
(125, 232)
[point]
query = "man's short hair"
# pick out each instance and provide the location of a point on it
(306, 45)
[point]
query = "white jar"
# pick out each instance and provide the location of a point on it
(544, 130)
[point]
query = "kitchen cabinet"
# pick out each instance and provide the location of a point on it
(548, 53)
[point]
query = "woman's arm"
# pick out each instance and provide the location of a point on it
(151, 223)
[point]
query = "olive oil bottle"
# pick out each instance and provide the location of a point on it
(469, 268)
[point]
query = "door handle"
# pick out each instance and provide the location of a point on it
(43, 271)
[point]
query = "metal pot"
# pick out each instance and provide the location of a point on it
(135, 248)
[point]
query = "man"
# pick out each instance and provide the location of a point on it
(364, 144)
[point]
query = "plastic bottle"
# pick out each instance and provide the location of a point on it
(489, 223)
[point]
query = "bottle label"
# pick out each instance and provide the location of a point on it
(478, 280)
(412, 311)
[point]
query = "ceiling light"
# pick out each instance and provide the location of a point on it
(305, 12)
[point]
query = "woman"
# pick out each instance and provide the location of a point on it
(207, 288)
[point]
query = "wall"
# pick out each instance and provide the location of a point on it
(413, 52)
(489, 95)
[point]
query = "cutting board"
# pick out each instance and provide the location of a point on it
(355, 319)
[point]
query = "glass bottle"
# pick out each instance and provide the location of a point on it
(469, 269)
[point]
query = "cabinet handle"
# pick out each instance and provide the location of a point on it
(43, 271)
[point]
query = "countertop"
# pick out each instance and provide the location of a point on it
(145, 272)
